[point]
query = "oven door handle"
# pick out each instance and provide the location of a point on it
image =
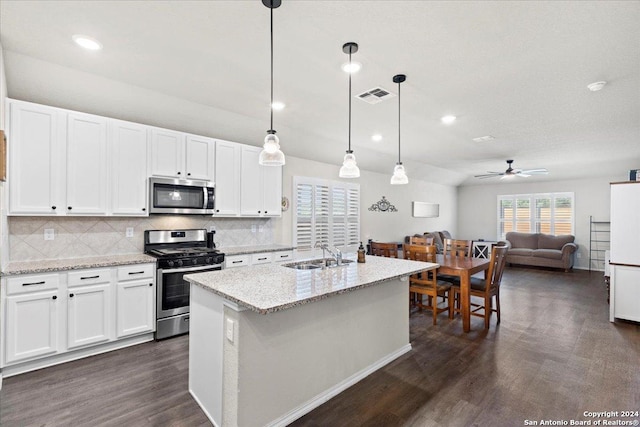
(191, 269)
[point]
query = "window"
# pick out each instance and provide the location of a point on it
(326, 212)
(548, 213)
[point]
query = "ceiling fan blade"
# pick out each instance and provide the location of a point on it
(488, 175)
(540, 171)
(524, 175)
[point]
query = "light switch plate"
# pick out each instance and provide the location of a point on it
(49, 233)
(129, 232)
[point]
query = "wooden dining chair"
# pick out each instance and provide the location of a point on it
(389, 250)
(457, 247)
(421, 240)
(485, 288)
(427, 282)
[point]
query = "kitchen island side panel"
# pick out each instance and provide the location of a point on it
(291, 360)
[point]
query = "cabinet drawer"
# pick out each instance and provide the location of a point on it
(237, 261)
(138, 271)
(32, 283)
(283, 256)
(88, 277)
(262, 258)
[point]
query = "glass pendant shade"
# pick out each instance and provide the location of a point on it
(349, 167)
(399, 175)
(271, 155)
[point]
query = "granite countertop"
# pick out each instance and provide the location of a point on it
(268, 288)
(243, 250)
(43, 266)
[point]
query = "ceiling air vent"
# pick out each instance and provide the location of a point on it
(375, 95)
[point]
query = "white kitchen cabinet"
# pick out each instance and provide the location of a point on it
(251, 203)
(135, 306)
(31, 325)
(227, 178)
(128, 145)
(261, 186)
(237, 261)
(261, 258)
(200, 158)
(625, 293)
(282, 256)
(86, 164)
(89, 315)
(176, 155)
(36, 159)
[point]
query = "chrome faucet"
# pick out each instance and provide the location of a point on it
(325, 247)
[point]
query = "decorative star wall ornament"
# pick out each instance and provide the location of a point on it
(383, 205)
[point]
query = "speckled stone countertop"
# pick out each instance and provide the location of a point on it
(268, 288)
(243, 250)
(33, 267)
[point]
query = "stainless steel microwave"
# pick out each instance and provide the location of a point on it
(178, 196)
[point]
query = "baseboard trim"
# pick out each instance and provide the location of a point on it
(321, 398)
(208, 415)
(21, 368)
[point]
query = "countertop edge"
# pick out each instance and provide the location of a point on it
(48, 266)
(239, 250)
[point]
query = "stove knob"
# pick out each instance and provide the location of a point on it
(194, 261)
(179, 262)
(209, 260)
(170, 263)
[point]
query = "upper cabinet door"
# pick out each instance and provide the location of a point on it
(167, 153)
(227, 173)
(251, 203)
(36, 159)
(129, 177)
(86, 164)
(272, 190)
(200, 152)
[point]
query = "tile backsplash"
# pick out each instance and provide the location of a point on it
(92, 236)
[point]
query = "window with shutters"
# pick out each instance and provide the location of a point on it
(548, 213)
(326, 212)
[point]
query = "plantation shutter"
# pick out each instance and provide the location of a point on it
(326, 212)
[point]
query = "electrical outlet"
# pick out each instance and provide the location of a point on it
(253, 228)
(579, 255)
(230, 336)
(261, 228)
(49, 234)
(129, 232)
(212, 228)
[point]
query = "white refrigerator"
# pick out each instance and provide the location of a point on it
(625, 251)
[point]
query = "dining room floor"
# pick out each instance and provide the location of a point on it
(554, 357)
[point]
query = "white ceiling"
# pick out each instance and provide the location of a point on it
(515, 70)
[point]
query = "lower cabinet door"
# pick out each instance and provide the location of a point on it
(32, 325)
(89, 315)
(135, 307)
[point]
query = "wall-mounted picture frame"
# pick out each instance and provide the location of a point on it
(3, 156)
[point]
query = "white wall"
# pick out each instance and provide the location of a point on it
(378, 226)
(477, 215)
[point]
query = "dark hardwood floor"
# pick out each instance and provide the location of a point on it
(554, 356)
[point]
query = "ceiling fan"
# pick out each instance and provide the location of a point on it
(511, 172)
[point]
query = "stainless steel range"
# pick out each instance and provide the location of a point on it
(179, 252)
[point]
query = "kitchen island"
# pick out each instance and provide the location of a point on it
(269, 343)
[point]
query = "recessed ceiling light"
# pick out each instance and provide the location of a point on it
(87, 42)
(278, 105)
(354, 67)
(377, 137)
(596, 86)
(447, 120)
(484, 138)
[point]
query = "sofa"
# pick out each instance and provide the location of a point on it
(437, 236)
(542, 250)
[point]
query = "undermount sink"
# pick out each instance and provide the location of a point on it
(314, 264)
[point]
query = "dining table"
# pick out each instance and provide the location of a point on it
(463, 267)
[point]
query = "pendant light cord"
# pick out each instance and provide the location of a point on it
(399, 123)
(350, 72)
(271, 106)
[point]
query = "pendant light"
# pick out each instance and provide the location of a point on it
(399, 175)
(271, 155)
(349, 167)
